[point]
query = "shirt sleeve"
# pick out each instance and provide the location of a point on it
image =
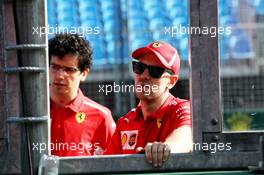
(106, 131)
(115, 145)
(181, 115)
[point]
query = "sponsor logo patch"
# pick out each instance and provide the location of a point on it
(129, 139)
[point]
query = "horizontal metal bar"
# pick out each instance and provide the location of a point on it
(243, 142)
(177, 162)
(27, 119)
(23, 69)
(25, 47)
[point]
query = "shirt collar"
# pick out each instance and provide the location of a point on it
(74, 105)
(156, 114)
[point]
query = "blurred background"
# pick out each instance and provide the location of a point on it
(242, 64)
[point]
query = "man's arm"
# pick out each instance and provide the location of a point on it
(180, 140)
(115, 144)
(104, 133)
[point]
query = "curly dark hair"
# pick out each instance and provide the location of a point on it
(63, 44)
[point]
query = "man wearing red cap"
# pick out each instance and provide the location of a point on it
(161, 123)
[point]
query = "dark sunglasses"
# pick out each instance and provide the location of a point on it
(154, 71)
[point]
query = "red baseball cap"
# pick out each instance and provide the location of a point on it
(166, 54)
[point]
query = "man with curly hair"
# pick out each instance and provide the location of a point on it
(79, 126)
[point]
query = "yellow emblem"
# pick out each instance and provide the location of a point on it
(124, 139)
(157, 44)
(80, 117)
(159, 122)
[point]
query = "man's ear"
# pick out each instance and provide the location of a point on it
(84, 74)
(173, 81)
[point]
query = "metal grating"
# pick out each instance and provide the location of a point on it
(243, 92)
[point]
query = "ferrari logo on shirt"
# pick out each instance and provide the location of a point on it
(129, 139)
(157, 44)
(80, 117)
(159, 122)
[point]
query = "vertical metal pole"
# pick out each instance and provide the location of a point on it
(261, 142)
(31, 14)
(2, 87)
(210, 80)
(204, 84)
(195, 73)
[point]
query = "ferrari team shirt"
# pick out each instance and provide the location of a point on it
(81, 128)
(132, 131)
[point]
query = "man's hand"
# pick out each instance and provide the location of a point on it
(156, 153)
